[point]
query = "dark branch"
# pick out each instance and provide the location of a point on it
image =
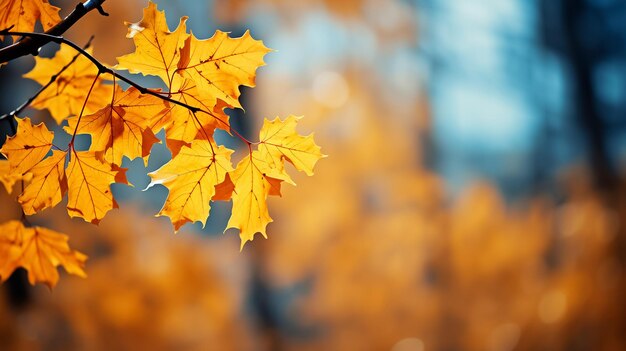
(31, 44)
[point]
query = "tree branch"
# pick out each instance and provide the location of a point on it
(30, 45)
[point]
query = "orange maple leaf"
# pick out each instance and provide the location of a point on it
(27, 147)
(47, 186)
(66, 96)
(25, 152)
(39, 251)
(121, 128)
(23, 14)
(89, 180)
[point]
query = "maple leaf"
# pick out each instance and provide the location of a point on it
(157, 50)
(28, 146)
(66, 96)
(254, 180)
(121, 128)
(89, 181)
(182, 125)
(23, 14)
(191, 177)
(47, 186)
(38, 250)
(220, 64)
(261, 174)
(279, 141)
(45, 249)
(25, 152)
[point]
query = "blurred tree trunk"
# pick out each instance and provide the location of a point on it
(577, 30)
(582, 58)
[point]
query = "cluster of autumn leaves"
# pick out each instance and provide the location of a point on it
(202, 79)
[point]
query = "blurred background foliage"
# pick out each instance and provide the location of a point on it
(473, 198)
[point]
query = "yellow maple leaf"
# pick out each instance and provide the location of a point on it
(23, 14)
(28, 146)
(191, 177)
(262, 172)
(254, 180)
(66, 96)
(182, 125)
(121, 128)
(157, 50)
(47, 186)
(39, 250)
(220, 64)
(89, 181)
(279, 141)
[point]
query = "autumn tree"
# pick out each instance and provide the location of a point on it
(201, 78)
